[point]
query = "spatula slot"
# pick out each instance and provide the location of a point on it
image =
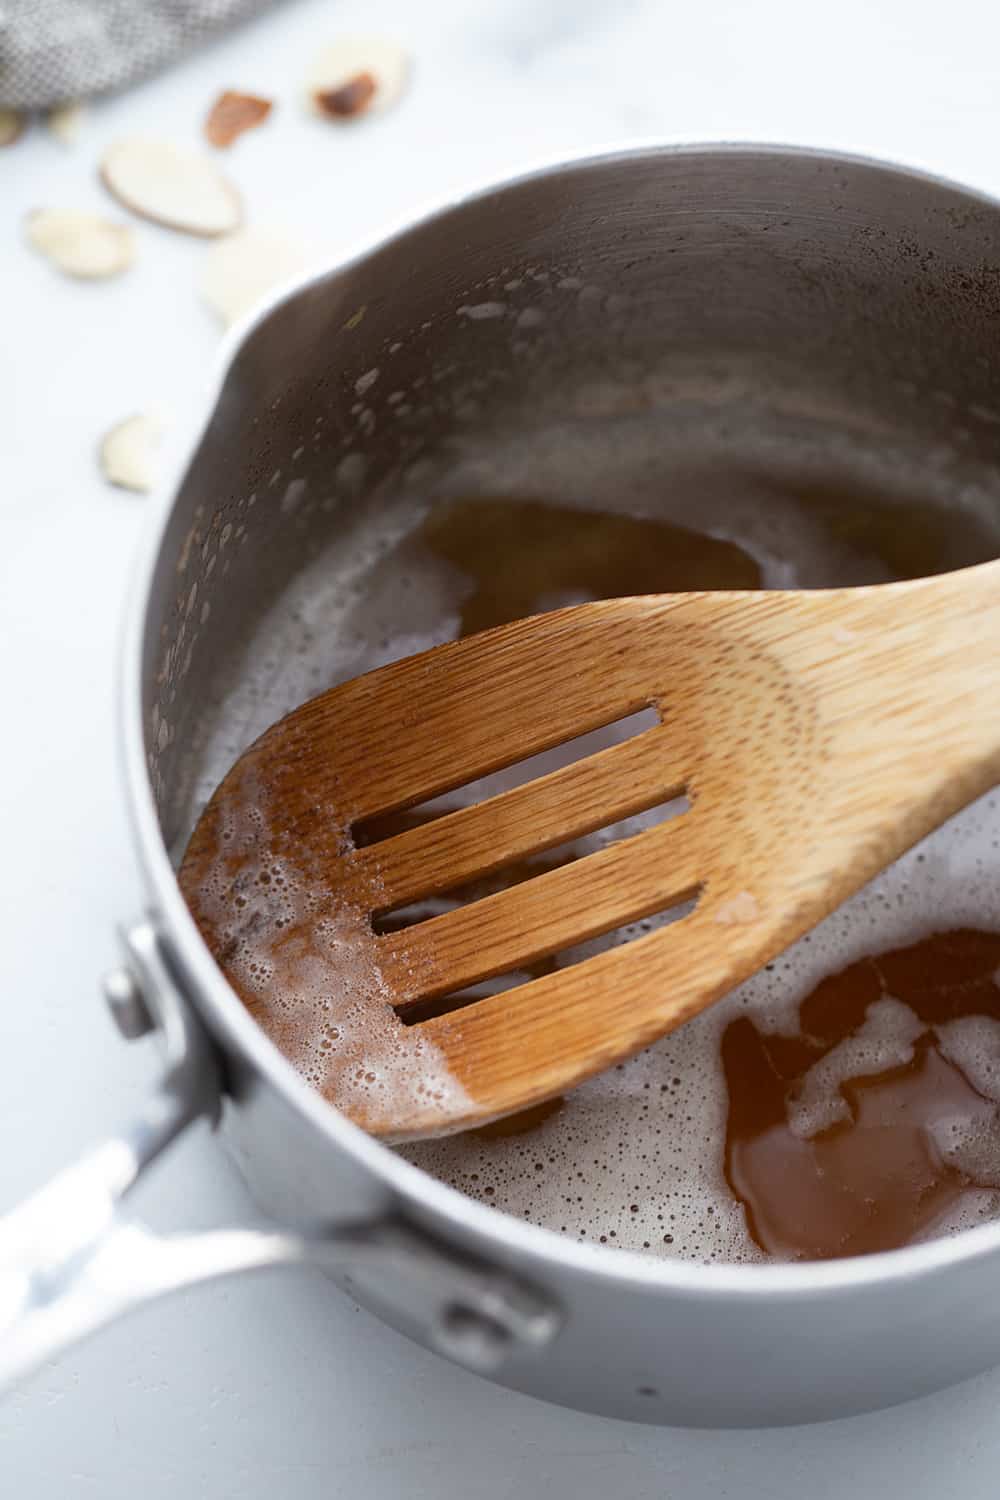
(467, 844)
(415, 1011)
(623, 882)
(519, 869)
(510, 775)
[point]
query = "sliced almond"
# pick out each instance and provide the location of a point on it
(66, 121)
(11, 126)
(232, 114)
(349, 99)
(171, 185)
(240, 271)
(128, 451)
(81, 244)
(355, 77)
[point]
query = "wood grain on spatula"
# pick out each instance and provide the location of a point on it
(816, 735)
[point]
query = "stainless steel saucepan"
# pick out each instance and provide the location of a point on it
(772, 306)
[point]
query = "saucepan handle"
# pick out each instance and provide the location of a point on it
(71, 1261)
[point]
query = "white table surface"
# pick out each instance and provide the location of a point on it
(278, 1386)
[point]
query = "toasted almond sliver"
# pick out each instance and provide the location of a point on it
(11, 126)
(171, 185)
(81, 244)
(232, 114)
(128, 451)
(348, 99)
(240, 271)
(66, 121)
(356, 77)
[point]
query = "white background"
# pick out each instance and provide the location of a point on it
(277, 1386)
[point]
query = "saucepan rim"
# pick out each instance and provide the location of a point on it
(232, 1024)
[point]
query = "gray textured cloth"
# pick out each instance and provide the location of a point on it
(58, 51)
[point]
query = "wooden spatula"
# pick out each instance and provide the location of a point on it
(816, 735)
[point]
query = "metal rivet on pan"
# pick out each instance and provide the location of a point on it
(126, 1004)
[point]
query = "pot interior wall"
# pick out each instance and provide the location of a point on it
(693, 332)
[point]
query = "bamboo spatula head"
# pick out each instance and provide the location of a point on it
(816, 736)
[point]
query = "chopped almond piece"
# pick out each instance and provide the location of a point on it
(351, 98)
(353, 78)
(81, 244)
(128, 451)
(244, 268)
(171, 185)
(232, 114)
